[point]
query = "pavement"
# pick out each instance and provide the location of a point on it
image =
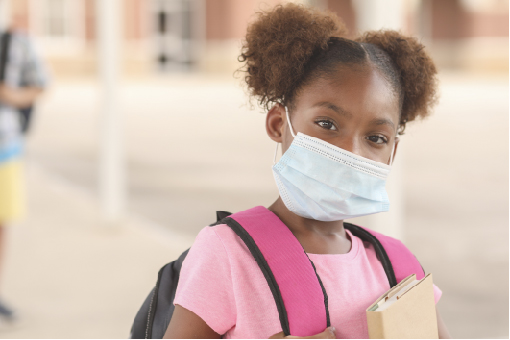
(193, 146)
(70, 275)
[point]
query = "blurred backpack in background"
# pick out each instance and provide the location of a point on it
(25, 114)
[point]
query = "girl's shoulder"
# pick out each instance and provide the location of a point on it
(205, 281)
(217, 252)
(219, 280)
(218, 238)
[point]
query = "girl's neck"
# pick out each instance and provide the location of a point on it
(315, 236)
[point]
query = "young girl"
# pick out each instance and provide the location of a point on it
(356, 95)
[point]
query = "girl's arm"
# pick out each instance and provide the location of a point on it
(19, 97)
(441, 327)
(187, 325)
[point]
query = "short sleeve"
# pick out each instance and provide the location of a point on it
(205, 283)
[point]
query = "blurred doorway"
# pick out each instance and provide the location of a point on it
(173, 34)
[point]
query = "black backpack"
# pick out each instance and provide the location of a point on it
(153, 318)
(25, 114)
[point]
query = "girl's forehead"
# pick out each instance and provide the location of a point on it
(357, 90)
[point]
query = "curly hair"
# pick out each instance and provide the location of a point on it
(289, 46)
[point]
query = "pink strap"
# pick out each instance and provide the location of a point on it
(404, 263)
(299, 287)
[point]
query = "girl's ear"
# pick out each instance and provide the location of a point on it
(275, 123)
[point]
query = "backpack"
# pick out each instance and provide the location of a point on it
(298, 316)
(25, 114)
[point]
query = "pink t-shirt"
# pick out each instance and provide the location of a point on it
(221, 282)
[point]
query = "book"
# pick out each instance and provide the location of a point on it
(406, 311)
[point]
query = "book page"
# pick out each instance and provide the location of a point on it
(392, 298)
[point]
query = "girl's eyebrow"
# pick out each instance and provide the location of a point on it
(383, 121)
(331, 106)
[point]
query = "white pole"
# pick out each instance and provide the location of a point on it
(112, 179)
(5, 14)
(376, 15)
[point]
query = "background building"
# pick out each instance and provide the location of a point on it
(203, 35)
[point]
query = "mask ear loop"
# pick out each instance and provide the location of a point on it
(275, 153)
(392, 151)
(291, 132)
(288, 121)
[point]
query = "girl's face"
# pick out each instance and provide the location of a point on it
(355, 109)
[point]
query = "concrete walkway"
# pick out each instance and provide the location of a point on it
(68, 275)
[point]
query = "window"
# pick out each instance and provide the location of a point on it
(58, 25)
(55, 18)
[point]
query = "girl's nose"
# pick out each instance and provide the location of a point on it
(351, 145)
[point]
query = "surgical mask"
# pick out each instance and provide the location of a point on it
(321, 181)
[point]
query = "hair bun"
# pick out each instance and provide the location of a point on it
(417, 71)
(279, 44)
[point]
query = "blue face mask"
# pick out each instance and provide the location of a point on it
(321, 181)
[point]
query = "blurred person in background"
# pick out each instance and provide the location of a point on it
(22, 80)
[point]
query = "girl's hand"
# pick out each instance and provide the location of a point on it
(329, 333)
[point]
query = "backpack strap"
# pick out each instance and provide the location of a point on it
(398, 262)
(221, 215)
(5, 41)
(284, 263)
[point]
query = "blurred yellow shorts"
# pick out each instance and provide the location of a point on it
(12, 200)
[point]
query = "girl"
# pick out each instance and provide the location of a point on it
(356, 95)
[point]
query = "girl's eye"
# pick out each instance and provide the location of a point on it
(326, 124)
(378, 139)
